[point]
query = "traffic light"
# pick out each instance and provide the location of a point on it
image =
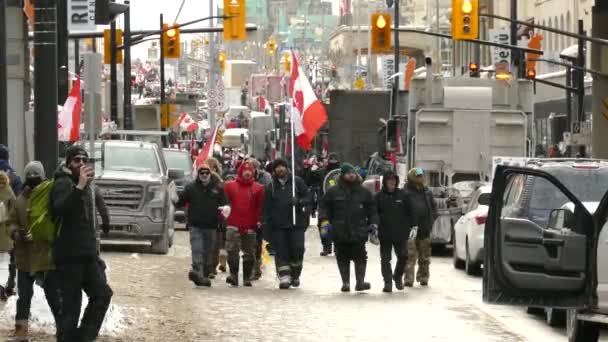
(531, 57)
(465, 19)
(107, 46)
(381, 32)
(530, 74)
(474, 69)
(106, 11)
(222, 60)
(287, 62)
(171, 44)
(271, 46)
(234, 26)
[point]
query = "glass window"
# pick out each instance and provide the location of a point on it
(178, 160)
(130, 159)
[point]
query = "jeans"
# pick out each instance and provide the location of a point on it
(25, 285)
(202, 242)
(289, 246)
(386, 251)
(65, 286)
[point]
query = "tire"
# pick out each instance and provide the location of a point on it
(470, 267)
(458, 263)
(161, 246)
(581, 331)
(555, 317)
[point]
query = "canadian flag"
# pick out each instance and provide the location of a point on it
(68, 120)
(186, 122)
(263, 104)
(207, 150)
(309, 114)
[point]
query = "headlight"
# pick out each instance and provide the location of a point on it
(156, 192)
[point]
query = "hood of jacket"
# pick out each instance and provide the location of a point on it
(6, 192)
(388, 175)
(244, 167)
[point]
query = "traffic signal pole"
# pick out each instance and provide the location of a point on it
(128, 108)
(599, 129)
(113, 75)
(395, 104)
(3, 76)
(212, 67)
(62, 52)
(162, 74)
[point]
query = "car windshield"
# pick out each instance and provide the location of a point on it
(178, 160)
(133, 159)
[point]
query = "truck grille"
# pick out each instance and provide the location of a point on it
(122, 196)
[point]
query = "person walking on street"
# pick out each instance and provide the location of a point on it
(204, 197)
(332, 164)
(263, 178)
(16, 185)
(78, 264)
(287, 238)
(7, 203)
(422, 204)
(395, 216)
(246, 198)
(33, 258)
(348, 214)
(220, 255)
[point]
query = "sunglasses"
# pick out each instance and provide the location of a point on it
(204, 173)
(80, 159)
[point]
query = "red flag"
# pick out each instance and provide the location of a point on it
(186, 122)
(68, 120)
(206, 151)
(310, 114)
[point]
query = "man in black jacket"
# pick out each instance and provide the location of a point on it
(396, 219)
(205, 198)
(78, 264)
(287, 239)
(420, 199)
(348, 214)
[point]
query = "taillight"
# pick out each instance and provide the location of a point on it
(377, 185)
(481, 219)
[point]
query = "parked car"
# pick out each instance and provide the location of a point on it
(544, 241)
(179, 160)
(468, 232)
(138, 189)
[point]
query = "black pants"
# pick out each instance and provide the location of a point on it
(65, 286)
(289, 246)
(351, 251)
(12, 271)
(25, 285)
(386, 251)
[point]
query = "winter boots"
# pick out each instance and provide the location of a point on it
(21, 333)
(233, 278)
(296, 271)
(388, 287)
(344, 268)
(247, 271)
(326, 250)
(197, 276)
(361, 285)
(285, 282)
(223, 257)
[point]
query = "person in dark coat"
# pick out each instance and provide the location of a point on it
(332, 164)
(205, 198)
(78, 263)
(348, 214)
(396, 219)
(422, 204)
(287, 239)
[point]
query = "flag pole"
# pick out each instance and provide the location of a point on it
(293, 165)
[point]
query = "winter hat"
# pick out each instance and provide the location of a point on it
(74, 151)
(279, 162)
(3, 152)
(204, 166)
(34, 169)
(4, 180)
(347, 168)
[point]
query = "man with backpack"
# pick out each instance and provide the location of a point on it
(77, 261)
(32, 255)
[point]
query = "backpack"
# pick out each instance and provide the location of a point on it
(43, 227)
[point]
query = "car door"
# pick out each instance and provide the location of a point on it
(526, 264)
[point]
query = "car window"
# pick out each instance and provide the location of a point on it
(178, 160)
(131, 159)
(511, 204)
(474, 201)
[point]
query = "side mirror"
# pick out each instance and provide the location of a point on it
(484, 199)
(175, 174)
(560, 218)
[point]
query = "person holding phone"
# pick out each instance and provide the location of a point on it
(78, 264)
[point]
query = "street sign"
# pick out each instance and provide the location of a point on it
(388, 69)
(212, 93)
(359, 84)
(576, 127)
(501, 58)
(212, 103)
(81, 15)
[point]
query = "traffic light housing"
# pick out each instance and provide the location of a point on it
(107, 46)
(465, 19)
(381, 32)
(535, 43)
(171, 41)
(474, 70)
(235, 25)
(271, 46)
(106, 11)
(287, 62)
(530, 74)
(222, 60)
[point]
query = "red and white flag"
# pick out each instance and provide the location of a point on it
(68, 120)
(263, 104)
(186, 122)
(310, 114)
(207, 150)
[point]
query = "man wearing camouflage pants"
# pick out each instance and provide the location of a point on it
(420, 199)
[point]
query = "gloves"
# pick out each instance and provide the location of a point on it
(225, 211)
(324, 229)
(373, 234)
(413, 233)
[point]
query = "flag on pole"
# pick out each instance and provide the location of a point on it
(263, 104)
(68, 121)
(207, 150)
(186, 122)
(309, 114)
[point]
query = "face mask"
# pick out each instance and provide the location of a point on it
(33, 182)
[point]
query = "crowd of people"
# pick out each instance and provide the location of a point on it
(227, 217)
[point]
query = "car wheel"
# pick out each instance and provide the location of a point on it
(581, 331)
(470, 267)
(458, 263)
(161, 246)
(555, 317)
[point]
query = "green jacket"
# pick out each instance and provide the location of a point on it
(30, 256)
(7, 198)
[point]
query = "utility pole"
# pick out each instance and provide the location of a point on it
(128, 108)
(580, 61)
(62, 52)
(514, 52)
(600, 85)
(395, 108)
(3, 76)
(45, 83)
(76, 56)
(113, 74)
(162, 74)
(212, 66)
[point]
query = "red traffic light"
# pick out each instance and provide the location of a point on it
(531, 74)
(473, 67)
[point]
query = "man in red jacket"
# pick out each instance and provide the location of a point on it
(246, 199)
